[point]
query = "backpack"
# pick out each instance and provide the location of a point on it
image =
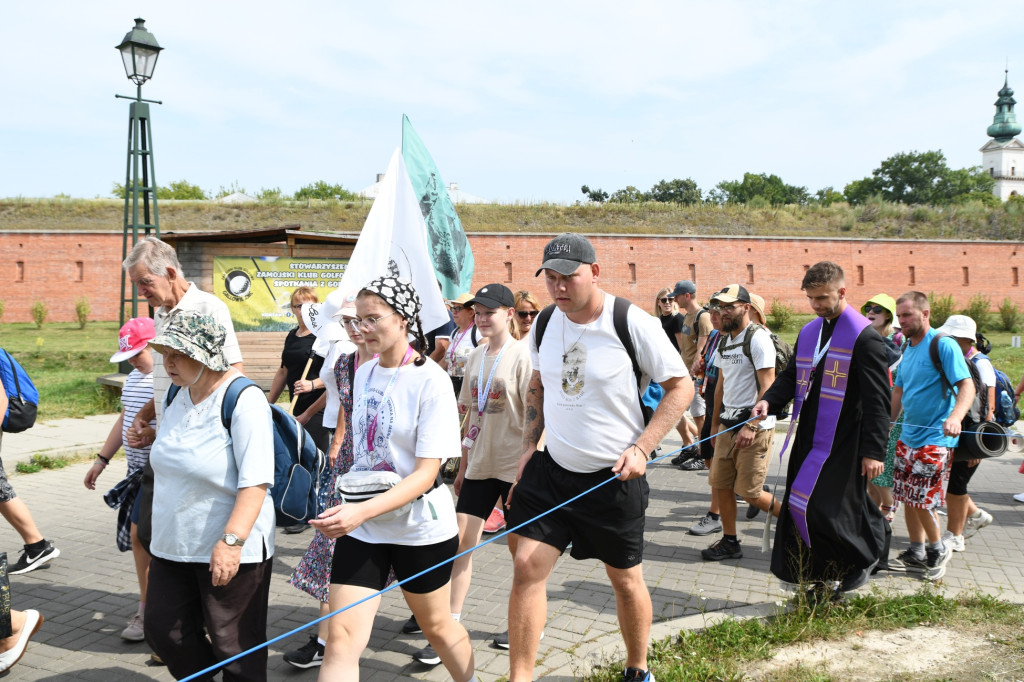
(297, 461)
(619, 311)
(979, 408)
(1007, 412)
(22, 395)
(783, 351)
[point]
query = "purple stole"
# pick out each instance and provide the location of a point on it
(849, 325)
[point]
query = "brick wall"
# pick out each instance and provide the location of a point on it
(59, 268)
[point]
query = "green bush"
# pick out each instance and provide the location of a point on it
(1009, 314)
(942, 307)
(977, 309)
(39, 313)
(780, 315)
(82, 310)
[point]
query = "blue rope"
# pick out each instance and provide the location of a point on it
(392, 586)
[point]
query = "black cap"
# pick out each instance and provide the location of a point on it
(494, 296)
(683, 286)
(565, 253)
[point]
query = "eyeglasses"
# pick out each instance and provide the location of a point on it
(523, 314)
(665, 299)
(876, 309)
(368, 323)
(731, 307)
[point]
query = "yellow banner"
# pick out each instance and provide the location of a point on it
(258, 290)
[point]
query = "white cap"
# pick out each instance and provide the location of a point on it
(960, 327)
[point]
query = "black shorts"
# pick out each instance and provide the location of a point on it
(479, 496)
(606, 523)
(365, 564)
(959, 476)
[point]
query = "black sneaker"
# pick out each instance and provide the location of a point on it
(686, 454)
(410, 627)
(501, 641)
(911, 562)
(935, 562)
(631, 674)
(427, 656)
(753, 511)
(309, 655)
(693, 465)
(723, 549)
(26, 562)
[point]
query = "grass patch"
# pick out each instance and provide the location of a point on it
(40, 462)
(64, 362)
(726, 650)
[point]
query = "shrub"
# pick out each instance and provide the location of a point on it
(780, 315)
(39, 313)
(942, 307)
(1009, 314)
(977, 309)
(82, 311)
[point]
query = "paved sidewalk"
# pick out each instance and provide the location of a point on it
(88, 594)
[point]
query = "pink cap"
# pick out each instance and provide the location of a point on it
(135, 335)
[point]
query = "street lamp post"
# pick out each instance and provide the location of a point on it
(139, 52)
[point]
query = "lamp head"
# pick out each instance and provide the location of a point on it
(139, 51)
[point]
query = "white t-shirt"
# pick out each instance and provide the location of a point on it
(418, 419)
(739, 382)
(137, 391)
(337, 349)
(195, 300)
(199, 468)
(591, 407)
(459, 350)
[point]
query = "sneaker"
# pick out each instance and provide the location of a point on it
(936, 561)
(410, 627)
(309, 655)
(495, 523)
(134, 631)
(706, 526)
(1019, 497)
(686, 454)
(27, 563)
(975, 523)
(723, 549)
(693, 465)
(630, 674)
(427, 656)
(954, 542)
(501, 641)
(33, 621)
(911, 561)
(296, 529)
(752, 510)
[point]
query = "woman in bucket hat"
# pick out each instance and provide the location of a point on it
(404, 424)
(213, 521)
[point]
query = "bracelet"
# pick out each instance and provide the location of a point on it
(106, 460)
(752, 427)
(637, 447)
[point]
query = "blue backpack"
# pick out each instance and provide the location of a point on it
(22, 395)
(298, 463)
(1007, 412)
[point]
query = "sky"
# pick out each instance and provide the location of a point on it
(517, 102)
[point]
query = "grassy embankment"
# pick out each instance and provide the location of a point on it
(873, 220)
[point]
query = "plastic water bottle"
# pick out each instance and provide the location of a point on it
(1005, 403)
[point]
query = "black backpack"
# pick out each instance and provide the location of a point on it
(619, 311)
(783, 351)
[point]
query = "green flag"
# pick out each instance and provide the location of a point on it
(449, 248)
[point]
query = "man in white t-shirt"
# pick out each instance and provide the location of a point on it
(745, 359)
(584, 392)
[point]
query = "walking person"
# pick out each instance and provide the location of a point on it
(693, 335)
(404, 424)
(213, 521)
(463, 340)
(133, 341)
(584, 392)
(527, 308)
(711, 522)
(830, 533)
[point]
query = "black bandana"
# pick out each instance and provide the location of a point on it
(400, 295)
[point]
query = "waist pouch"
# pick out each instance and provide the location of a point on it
(360, 486)
(731, 417)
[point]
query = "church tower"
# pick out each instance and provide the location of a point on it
(1003, 155)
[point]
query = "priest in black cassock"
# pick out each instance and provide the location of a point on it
(830, 533)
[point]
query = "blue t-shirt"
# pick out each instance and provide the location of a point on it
(926, 403)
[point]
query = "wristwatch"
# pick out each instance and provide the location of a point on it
(232, 540)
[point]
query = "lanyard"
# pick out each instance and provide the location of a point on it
(371, 427)
(819, 353)
(483, 395)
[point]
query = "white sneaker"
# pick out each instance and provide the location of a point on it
(1019, 497)
(954, 542)
(134, 632)
(975, 523)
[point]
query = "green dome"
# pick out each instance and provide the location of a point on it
(1004, 124)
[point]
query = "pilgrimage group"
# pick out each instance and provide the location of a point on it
(500, 419)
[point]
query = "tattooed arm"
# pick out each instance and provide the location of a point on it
(533, 424)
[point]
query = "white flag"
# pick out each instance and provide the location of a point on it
(394, 242)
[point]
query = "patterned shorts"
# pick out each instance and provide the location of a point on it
(920, 475)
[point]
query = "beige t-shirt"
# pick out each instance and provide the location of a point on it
(495, 453)
(690, 334)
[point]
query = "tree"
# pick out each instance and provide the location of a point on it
(322, 190)
(826, 196)
(629, 195)
(770, 187)
(597, 195)
(919, 178)
(675, 192)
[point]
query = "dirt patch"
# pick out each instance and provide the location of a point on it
(921, 653)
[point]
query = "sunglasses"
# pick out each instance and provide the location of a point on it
(665, 299)
(876, 309)
(523, 314)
